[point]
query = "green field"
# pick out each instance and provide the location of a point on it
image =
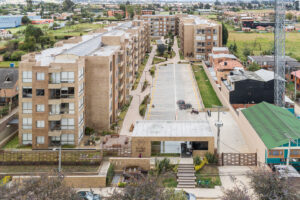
(259, 42)
(7, 63)
(207, 92)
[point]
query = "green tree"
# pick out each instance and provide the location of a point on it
(16, 55)
(29, 5)
(224, 34)
(246, 52)
(161, 49)
(36, 32)
(25, 20)
(118, 16)
(253, 67)
(289, 16)
(29, 44)
(207, 6)
(68, 5)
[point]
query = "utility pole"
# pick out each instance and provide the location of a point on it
(289, 148)
(218, 124)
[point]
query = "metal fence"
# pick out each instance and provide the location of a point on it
(68, 157)
(239, 159)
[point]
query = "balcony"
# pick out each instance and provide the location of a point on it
(54, 128)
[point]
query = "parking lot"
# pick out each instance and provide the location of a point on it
(174, 82)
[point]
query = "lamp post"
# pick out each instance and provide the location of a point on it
(59, 156)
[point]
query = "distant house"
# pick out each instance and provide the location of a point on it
(267, 129)
(267, 62)
(295, 74)
(12, 21)
(246, 87)
(8, 87)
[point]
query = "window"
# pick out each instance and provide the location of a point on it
(40, 76)
(67, 92)
(27, 92)
(40, 139)
(80, 133)
(67, 139)
(67, 77)
(55, 78)
(110, 66)
(54, 109)
(215, 37)
(80, 73)
(27, 107)
(27, 123)
(81, 89)
(26, 138)
(27, 76)
(275, 152)
(71, 108)
(81, 102)
(40, 123)
(67, 108)
(295, 152)
(40, 92)
(67, 124)
(80, 118)
(40, 108)
(208, 37)
(200, 145)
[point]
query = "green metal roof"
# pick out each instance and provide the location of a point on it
(272, 122)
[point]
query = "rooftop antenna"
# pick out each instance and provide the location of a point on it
(279, 56)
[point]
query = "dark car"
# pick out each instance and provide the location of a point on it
(86, 195)
(180, 102)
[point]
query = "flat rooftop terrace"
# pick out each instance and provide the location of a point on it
(170, 128)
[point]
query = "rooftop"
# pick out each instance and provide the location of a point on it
(153, 128)
(297, 73)
(229, 64)
(222, 55)
(260, 75)
(272, 123)
(219, 49)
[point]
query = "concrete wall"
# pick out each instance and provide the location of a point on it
(121, 163)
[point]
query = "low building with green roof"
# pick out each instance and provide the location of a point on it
(273, 127)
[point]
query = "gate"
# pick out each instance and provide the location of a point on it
(239, 159)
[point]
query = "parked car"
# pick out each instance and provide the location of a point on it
(87, 195)
(190, 196)
(180, 102)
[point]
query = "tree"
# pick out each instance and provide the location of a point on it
(253, 67)
(118, 16)
(31, 30)
(207, 6)
(25, 20)
(29, 44)
(289, 16)
(161, 49)
(269, 185)
(147, 188)
(68, 5)
(44, 187)
(217, 3)
(236, 193)
(224, 34)
(246, 52)
(16, 55)
(29, 5)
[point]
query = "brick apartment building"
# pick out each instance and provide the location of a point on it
(198, 36)
(111, 13)
(161, 25)
(81, 82)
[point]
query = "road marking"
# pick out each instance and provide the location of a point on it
(194, 87)
(152, 94)
(175, 94)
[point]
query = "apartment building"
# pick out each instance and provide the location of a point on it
(81, 82)
(198, 36)
(161, 25)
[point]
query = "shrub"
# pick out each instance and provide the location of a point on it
(16, 55)
(121, 184)
(197, 160)
(162, 166)
(211, 158)
(89, 131)
(110, 174)
(6, 56)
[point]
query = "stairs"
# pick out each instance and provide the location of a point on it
(186, 176)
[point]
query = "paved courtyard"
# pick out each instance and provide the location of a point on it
(172, 83)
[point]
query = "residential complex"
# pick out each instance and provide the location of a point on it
(198, 36)
(161, 25)
(81, 82)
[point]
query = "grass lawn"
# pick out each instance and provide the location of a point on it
(14, 144)
(4, 64)
(140, 71)
(172, 55)
(259, 42)
(170, 181)
(207, 92)
(208, 177)
(48, 168)
(157, 60)
(123, 113)
(181, 55)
